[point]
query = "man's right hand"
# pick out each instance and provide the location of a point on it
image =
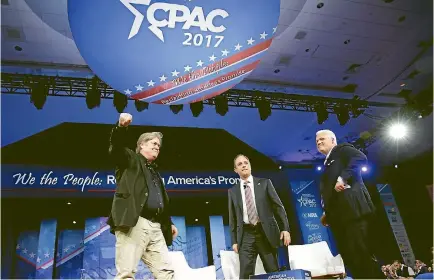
(125, 119)
(324, 221)
(235, 247)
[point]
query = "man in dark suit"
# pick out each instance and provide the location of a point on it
(139, 216)
(253, 205)
(347, 205)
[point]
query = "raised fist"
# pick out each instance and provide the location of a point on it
(125, 119)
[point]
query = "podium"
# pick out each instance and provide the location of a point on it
(286, 274)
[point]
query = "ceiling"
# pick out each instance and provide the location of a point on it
(375, 47)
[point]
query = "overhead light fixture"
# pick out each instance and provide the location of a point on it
(196, 220)
(364, 169)
(69, 203)
(221, 105)
(74, 222)
(398, 131)
(93, 94)
(321, 113)
(141, 105)
(196, 108)
(120, 101)
(319, 168)
(176, 108)
(264, 108)
(39, 93)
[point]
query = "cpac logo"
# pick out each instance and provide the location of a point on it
(176, 13)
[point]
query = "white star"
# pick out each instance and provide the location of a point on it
(263, 35)
(238, 47)
(66, 249)
(38, 260)
(47, 255)
(18, 246)
(151, 83)
(94, 226)
(200, 63)
(32, 255)
(163, 78)
(250, 41)
(225, 53)
(212, 58)
(72, 246)
(85, 231)
(175, 73)
(25, 251)
(274, 29)
(127, 92)
(187, 68)
(139, 88)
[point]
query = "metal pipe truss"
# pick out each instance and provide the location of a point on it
(77, 87)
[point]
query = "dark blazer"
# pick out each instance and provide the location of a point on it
(355, 202)
(132, 180)
(268, 205)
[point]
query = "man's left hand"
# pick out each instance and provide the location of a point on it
(339, 186)
(174, 231)
(286, 237)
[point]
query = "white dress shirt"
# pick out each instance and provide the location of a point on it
(340, 180)
(243, 196)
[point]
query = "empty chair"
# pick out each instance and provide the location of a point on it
(184, 272)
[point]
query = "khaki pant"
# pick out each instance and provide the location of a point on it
(143, 241)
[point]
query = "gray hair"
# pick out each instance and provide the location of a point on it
(328, 133)
(145, 137)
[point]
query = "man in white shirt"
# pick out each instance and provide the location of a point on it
(253, 208)
(348, 208)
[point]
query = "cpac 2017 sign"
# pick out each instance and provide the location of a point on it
(175, 51)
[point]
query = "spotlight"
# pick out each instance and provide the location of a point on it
(364, 169)
(321, 113)
(93, 94)
(196, 108)
(141, 105)
(176, 108)
(398, 131)
(264, 108)
(207, 202)
(74, 222)
(280, 167)
(39, 93)
(221, 105)
(120, 101)
(342, 114)
(196, 220)
(69, 203)
(319, 168)
(396, 165)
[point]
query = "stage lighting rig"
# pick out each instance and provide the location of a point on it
(264, 108)
(176, 108)
(120, 101)
(221, 104)
(321, 113)
(196, 108)
(93, 94)
(141, 105)
(38, 93)
(342, 114)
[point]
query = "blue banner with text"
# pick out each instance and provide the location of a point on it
(46, 181)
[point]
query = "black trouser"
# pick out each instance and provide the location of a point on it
(355, 244)
(255, 242)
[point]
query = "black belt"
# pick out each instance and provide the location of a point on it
(253, 227)
(153, 216)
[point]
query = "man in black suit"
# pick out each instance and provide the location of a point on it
(347, 205)
(139, 216)
(253, 205)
